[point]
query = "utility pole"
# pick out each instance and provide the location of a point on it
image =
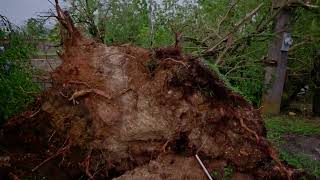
(275, 71)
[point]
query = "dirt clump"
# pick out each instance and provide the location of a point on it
(131, 113)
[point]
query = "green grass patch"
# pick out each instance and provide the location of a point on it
(279, 126)
(302, 162)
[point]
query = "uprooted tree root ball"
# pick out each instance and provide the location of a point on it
(132, 113)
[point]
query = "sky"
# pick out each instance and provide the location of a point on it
(18, 11)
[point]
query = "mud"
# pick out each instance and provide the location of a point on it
(308, 146)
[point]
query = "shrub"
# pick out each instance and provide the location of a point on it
(16, 86)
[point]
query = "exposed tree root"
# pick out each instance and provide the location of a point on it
(14, 177)
(249, 130)
(84, 92)
(62, 150)
(86, 165)
(147, 125)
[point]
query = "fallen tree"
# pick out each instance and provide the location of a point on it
(131, 113)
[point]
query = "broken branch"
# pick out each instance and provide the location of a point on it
(235, 28)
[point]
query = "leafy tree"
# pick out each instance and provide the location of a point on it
(35, 29)
(16, 86)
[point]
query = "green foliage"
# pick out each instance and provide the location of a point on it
(35, 29)
(227, 173)
(127, 23)
(306, 36)
(16, 86)
(54, 34)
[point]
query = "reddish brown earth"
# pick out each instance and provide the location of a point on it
(131, 113)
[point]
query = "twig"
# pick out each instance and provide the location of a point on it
(248, 129)
(215, 34)
(220, 60)
(298, 45)
(259, 108)
(60, 151)
(203, 167)
(51, 2)
(53, 133)
(273, 154)
(63, 95)
(87, 91)
(84, 92)
(86, 164)
(35, 113)
(195, 41)
(180, 62)
(26, 92)
(52, 69)
(234, 68)
(236, 27)
(13, 176)
(226, 16)
(205, 140)
(306, 5)
(97, 169)
(163, 149)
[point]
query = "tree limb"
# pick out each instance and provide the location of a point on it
(236, 27)
(226, 16)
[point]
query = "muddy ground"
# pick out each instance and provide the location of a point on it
(302, 144)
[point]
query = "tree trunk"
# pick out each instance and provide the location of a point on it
(315, 75)
(316, 102)
(276, 70)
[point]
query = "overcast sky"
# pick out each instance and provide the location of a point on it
(20, 10)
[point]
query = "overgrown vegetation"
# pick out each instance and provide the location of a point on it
(278, 127)
(17, 89)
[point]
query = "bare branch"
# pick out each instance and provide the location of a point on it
(226, 16)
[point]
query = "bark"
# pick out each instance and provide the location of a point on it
(316, 102)
(276, 74)
(315, 74)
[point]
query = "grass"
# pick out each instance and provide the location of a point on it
(302, 162)
(227, 173)
(278, 126)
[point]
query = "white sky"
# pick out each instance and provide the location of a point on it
(18, 11)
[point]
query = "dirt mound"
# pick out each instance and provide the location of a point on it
(132, 113)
